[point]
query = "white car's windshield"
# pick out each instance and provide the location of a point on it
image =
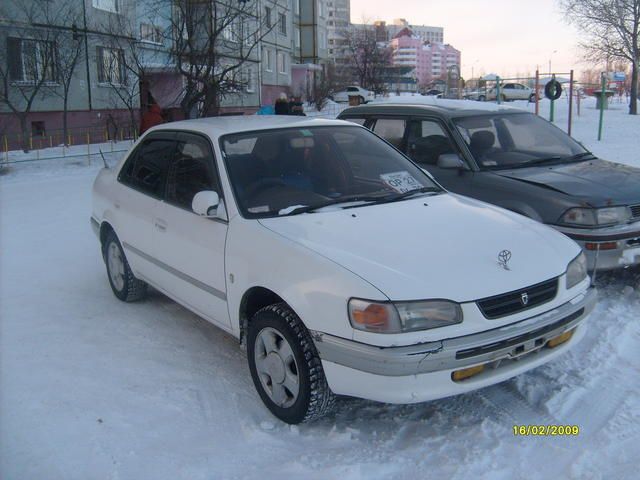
(502, 141)
(295, 170)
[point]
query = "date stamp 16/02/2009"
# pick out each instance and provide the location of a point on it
(545, 430)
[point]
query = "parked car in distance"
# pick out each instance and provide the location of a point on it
(433, 93)
(508, 92)
(523, 163)
(340, 265)
(362, 94)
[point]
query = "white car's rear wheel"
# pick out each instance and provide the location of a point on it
(124, 284)
(285, 366)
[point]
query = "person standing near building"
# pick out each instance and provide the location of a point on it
(151, 118)
(282, 105)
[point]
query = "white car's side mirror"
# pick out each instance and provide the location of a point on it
(206, 203)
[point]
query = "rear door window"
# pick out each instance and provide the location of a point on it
(427, 140)
(146, 168)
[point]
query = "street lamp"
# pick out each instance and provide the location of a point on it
(550, 56)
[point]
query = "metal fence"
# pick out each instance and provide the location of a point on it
(78, 142)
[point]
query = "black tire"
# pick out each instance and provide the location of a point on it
(361, 100)
(532, 98)
(553, 90)
(482, 98)
(131, 289)
(314, 398)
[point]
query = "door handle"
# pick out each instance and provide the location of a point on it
(160, 224)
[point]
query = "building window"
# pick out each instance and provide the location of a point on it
(31, 60)
(106, 5)
(150, 33)
(232, 32)
(266, 54)
(249, 80)
(297, 37)
(282, 24)
(282, 63)
(111, 68)
(267, 17)
(321, 8)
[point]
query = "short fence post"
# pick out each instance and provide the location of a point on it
(498, 90)
(6, 149)
(578, 102)
(88, 149)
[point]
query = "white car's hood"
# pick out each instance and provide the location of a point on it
(443, 246)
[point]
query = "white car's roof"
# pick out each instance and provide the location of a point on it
(218, 126)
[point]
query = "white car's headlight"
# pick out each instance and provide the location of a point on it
(399, 317)
(577, 270)
(596, 216)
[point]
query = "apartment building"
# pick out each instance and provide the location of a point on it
(36, 49)
(129, 58)
(424, 32)
(431, 61)
(338, 22)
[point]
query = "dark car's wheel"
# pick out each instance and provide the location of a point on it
(482, 98)
(124, 285)
(285, 366)
(532, 98)
(361, 100)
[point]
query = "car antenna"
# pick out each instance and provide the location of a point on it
(104, 160)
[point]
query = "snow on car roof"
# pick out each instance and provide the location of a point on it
(447, 104)
(218, 126)
(445, 107)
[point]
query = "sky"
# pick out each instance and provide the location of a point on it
(506, 38)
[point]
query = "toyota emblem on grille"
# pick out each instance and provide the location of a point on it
(503, 259)
(524, 298)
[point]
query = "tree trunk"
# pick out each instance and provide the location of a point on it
(26, 144)
(633, 106)
(65, 127)
(132, 115)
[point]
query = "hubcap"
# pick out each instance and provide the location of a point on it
(276, 367)
(116, 266)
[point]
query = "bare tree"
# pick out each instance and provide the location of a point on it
(69, 49)
(212, 44)
(27, 61)
(122, 65)
(612, 30)
(369, 59)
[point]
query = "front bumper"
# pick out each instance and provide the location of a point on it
(608, 248)
(423, 372)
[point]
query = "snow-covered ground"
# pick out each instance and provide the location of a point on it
(92, 388)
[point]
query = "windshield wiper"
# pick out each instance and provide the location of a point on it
(400, 196)
(334, 201)
(370, 199)
(581, 156)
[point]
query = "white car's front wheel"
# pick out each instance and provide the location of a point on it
(285, 366)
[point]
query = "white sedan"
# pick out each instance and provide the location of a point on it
(508, 92)
(362, 94)
(341, 266)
